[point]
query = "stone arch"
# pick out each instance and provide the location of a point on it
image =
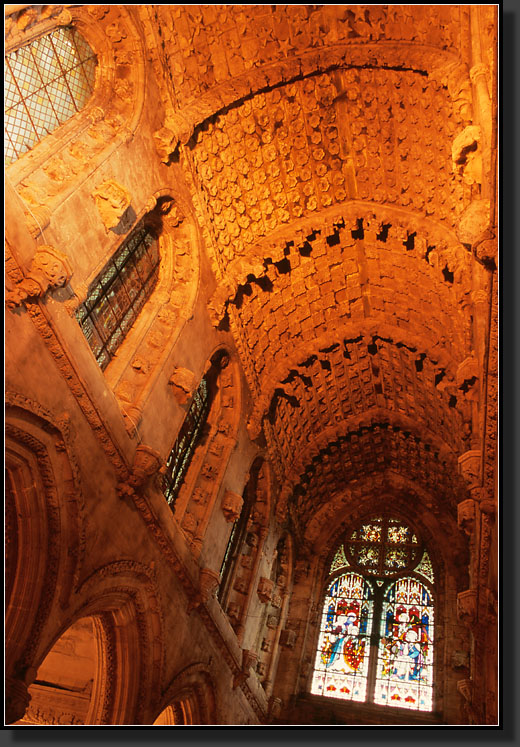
(144, 352)
(125, 593)
(117, 633)
(189, 700)
(44, 536)
(447, 549)
(111, 115)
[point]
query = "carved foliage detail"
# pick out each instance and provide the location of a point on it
(49, 269)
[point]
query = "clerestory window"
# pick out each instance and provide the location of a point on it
(377, 628)
(119, 293)
(187, 440)
(45, 83)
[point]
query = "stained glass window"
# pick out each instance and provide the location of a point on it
(405, 663)
(383, 546)
(375, 640)
(118, 294)
(189, 435)
(341, 667)
(45, 83)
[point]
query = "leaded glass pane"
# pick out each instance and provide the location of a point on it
(405, 655)
(45, 84)
(383, 546)
(117, 296)
(184, 447)
(339, 561)
(425, 567)
(341, 667)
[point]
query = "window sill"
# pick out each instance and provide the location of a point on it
(317, 709)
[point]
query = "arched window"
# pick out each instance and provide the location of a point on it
(234, 545)
(46, 82)
(188, 438)
(119, 293)
(376, 635)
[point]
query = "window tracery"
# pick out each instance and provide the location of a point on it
(46, 83)
(119, 293)
(377, 627)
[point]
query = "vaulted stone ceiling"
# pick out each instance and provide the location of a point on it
(321, 144)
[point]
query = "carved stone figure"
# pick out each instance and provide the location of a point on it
(112, 201)
(231, 505)
(183, 384)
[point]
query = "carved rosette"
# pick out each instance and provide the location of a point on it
(265, 590)
(49, 269)
(467, 606)
(231, 505)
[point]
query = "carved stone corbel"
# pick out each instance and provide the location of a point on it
(467, 377)
(469, 467)
(147, 463)
(112, 201)
(275, 707)
(288, 638)
(466, 515)
(467, 607)
(183, 384)
(265, 590)
(209, 582)
(249, 659)
(474, 222)
(49, 269)
(231, 505)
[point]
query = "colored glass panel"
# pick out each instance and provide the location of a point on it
(425, 567)
(339, 561)
(405, 654)
(382, 547)
(341, 667)
(118, 295)
(45, 82)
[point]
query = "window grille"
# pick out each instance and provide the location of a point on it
(118, 295)
(376, 634)
(45, 83)
(188, 438)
